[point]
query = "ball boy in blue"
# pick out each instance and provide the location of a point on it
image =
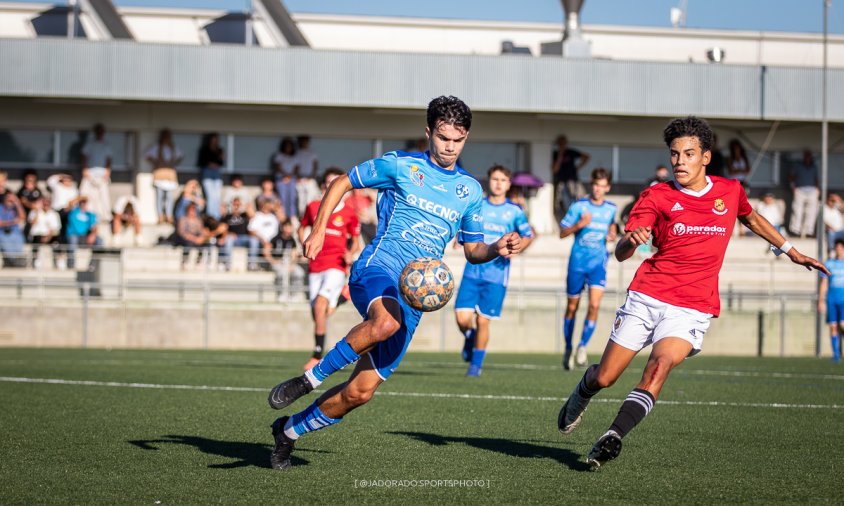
(483, 287)
(424, 200)
(831, 299)
(592, 220)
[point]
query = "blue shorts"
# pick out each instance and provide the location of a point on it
(834, 312)
(481, 296)
(367, 284)
(578, 279)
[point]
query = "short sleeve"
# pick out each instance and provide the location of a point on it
(472, 223)
(744, 207)
(572, 216)
(828, 266)
(377, 173)
(644, 212)
(521, 224)
(309, 217)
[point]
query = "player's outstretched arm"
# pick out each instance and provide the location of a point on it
(508, 245)
(313, 244)
(763, 228)
(631, 240)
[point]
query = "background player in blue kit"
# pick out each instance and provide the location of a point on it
(592, 220)
(424, 200)
(483, 286)
(831, 299)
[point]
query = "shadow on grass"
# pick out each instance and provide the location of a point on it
(244, 454)
(505, 446)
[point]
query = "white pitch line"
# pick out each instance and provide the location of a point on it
(211, 388)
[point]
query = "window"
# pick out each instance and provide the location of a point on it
(478, 157)
(599, 156)
(26, 147)
(342, 153)
(189, 143)
(72, 142)
(764, 173)
(253, 154)
(637, 165)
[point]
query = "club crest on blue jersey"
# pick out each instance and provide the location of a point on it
(462, 191)
(417, 176)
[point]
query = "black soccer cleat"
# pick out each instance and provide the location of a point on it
(284, 394)
(570, 414)
(280, 457)
(568, 360)
(468, 345)
(606, 448)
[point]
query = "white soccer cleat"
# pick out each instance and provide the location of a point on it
(580, 358)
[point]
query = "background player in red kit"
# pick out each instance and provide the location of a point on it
(674, 293)
(327, 272)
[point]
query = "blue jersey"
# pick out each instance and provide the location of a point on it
(499, 219)
(421, 207)
(835, 294)
(590, 242)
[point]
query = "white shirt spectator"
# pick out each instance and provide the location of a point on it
(44, 222)
(306, 160)
(286, 163)
(773, 212)
(120, 204)
(264, 225)
(62, 194)
(833, 218)
(242, 193)
(97, 155)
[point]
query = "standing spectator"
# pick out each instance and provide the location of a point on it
(307, 162)
(737, 165)
(81, 229)
(804, 185)
(833, 220)
(772, 210)
(264, 226)
(96, 158)
(3, 179)
(286, 172)
(190, 233)
(11, 231)
(210, 161)
(565, 165)
(237, 221)
(661, 175)
(831, 298)
(164, 156)
(45, 226)
(716, 163)
(236, 190)
(361, 201)
(125, 214)
(190, 195)
(29, 195)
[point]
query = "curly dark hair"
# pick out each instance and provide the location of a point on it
(450, 110)
(690, 126)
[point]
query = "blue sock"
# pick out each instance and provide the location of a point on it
(478, 357)
(836, 347)
(309, 420)
(339, 357)
(588, 330)
(568, 331)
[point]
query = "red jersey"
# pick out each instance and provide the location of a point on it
(342, 224)
(691, 231)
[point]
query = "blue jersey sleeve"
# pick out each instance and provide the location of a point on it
(828, 266)
(472, 223)
(572, 215)
(379, 173)
(521, 225)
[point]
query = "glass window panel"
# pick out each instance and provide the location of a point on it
(836, 170)
(253, 154)
(342, 153)
(26, 146)
(599, 156)
(637, 165)
(478, 157)
(763, 174)
(189, 143)
(388, 145)
(72, 143)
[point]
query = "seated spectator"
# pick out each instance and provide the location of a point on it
(362, 202)
(772, 210)
(3, 180)
(238, 236)
(11, 231)
(264, 226)
(216, 232)
(65, 195)
(45, 226)
(191, 233)
(661, 175)
(237, 190)
(290, 274)
(191, 194)
(29, 194)
(125, 214)
(833, 220)
(96, 158)
(81, 229)
(268, 193)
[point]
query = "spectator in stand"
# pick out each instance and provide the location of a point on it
(772, 210)
(286, 173)
(362, 202)
(164, 157)
(216, 232)
(289, 271)
(81, 229)
(804, 208)
(236, 190)
(3, 180)
(11, 230)
(45, 226)
(565, 165)
(833, 220)
(307, 162)
(96, 159)
(29, 194)
(737, 165)
(264, 226)
(237, 221)
(190, 195)
(190, 233)
(125, 214)
(210, 162)
(661, 175)
(65, 196)
(268, 193)
(716, 163)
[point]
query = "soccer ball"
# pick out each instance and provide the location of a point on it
(426, 284)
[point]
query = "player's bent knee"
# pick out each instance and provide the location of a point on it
(383, 328)
(355, 397)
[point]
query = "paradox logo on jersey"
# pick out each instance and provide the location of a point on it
(417, 176)
(433, 208)
(719, 208)
(682, 229)
(462, 191)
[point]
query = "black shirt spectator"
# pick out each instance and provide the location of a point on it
(238, 223)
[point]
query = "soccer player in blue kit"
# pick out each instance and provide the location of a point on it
(424, 200)
(483, 287)
(592, 220)
(831, 299)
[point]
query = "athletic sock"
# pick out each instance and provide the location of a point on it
(836, 347)
(633, 410)
(568, 331)
(319, 345)
(583, 390)
(588, 330)
(309, 420)
(478, 357)
(469, 334)
(339, 357)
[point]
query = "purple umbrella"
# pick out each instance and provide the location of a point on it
(526, 180)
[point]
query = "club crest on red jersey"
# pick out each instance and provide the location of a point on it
(719, 207)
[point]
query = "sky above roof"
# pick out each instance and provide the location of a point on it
(755, 15)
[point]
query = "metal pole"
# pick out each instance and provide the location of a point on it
(206, 295)
(760, 318)
(782, 326)
(824, 169)
(86, 294)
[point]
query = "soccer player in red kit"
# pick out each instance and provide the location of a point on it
(675, 292)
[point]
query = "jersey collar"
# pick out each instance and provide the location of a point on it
(693, 193)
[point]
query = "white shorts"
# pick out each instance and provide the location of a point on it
(327, 283)
(643, 320)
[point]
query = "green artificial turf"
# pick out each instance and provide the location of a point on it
(735, 430)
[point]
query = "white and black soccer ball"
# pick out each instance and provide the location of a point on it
(426, 284)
